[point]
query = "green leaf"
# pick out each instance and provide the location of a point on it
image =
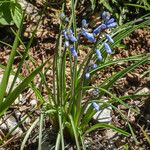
(5, 14)
(16, 13)
(16, 92)
(93, 2)
(109, 126)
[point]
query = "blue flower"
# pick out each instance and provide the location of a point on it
(87, 35)
(95, 105)
(107, 48)
(98, 53)
(65, 34)
(87, 75)
(84, 23)
(112, 25)
(71, 36)
(94, 66)
(73, 51)
(99, 29)
(110, 21)
(108, 37)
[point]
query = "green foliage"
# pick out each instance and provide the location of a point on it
(125, 10)
(10, 12)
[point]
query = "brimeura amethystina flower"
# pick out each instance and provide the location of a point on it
(109, 38)
(107, 48)
(87, 35)
(70, 35)
(99, 29)
(98, 54)
(73, 51)
(94, 66)
(95, 105)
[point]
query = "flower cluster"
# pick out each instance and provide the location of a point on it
(69, 36)
(107, 23)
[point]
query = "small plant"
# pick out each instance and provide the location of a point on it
(69, 114)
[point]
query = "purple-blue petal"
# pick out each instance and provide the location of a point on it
(96, 106)
(89, 36)
(73, 51)
(110, 21)
(72, 37)
(99, 28)
(107, 48)
(65, 34)
(109, 38)
(94, 66)
(112, 25)
(98, 53)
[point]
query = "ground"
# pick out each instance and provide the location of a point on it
(136, 82)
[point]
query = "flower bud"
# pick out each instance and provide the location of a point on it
(94, 66)
(98, 53)
(84, 24)
(95, 105)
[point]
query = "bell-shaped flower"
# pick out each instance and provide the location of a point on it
(88, 35)
(112, 20)
(87, 75)
(73, 51)
(109, 38)
(71, 36)
(107, 48)
(94, 66)
(65, 34)
(112, 25)
(98, 54)
(95, 105)
(99, 29)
